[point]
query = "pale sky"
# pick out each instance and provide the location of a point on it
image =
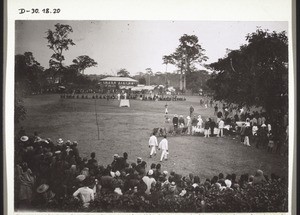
(135, 45)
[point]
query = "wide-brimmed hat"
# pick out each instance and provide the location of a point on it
(60, 141)
(165, 172)
(38, 139)
(24, 138)
(57, 152)
(80, 177)
(42, 188)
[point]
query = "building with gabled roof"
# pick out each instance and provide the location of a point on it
(118, 82)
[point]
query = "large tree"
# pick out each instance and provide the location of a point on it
(83, 62)
(58, 42)
(256, 73)
(123, 73)
(187, 55)
(29, 75)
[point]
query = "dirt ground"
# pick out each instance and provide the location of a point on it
(125, 129)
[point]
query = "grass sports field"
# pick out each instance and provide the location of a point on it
(128, 129)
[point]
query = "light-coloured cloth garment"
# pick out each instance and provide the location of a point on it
(149, 182)
(86, 194)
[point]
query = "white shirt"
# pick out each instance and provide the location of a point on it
(148, 181)
(254, 130)
(163, 144)
(153, 141)
(221, 124)
(87, 195)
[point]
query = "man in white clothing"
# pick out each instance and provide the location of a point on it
(221, 128)
(86, 194)
(153, 144)
(163, 145)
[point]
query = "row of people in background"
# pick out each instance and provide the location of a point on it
(123, 96)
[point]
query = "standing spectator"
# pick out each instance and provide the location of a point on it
(175, 122)
(212, 125)
(200, 122)
(166, 110)
(153, 144)
(211, 103)
(254, 134)
(221, 128)
(181, 121)
(247, 133)
(189, 125)
(242, 132)
(194, 125)
(26, 183)
(216, 109)
(191, 111)
(206, 128)
(163, 145)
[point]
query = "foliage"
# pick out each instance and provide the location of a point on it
(83, 62)
(142, 80)
(255, 74)
(187, 55)
(29, 76)
(58, 41)
(20, 111)
(123, 73)
(270, 197)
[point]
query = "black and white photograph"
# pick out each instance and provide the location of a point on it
(151, 116)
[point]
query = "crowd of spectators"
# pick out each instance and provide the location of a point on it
(53, 176)
(143, 97)
(254, 129)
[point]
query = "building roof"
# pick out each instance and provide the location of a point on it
(143, 87)
(114, 78)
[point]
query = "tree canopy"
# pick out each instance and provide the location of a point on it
(187, 55)
(59, 41)
(123, 73)
(256, 73)
(83, 62)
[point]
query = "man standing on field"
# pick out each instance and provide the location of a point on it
(163, 145)
(153, 144)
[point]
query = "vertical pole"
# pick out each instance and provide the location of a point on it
(97, 120)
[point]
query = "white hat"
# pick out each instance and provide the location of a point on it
(150, 172)
(42, 188)
(118, 173)
(112, 174)
(38, 139)
(263, 125)
(57, 152)
(24, 138)
(60, 141)
(165, 172)
(80, 177)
